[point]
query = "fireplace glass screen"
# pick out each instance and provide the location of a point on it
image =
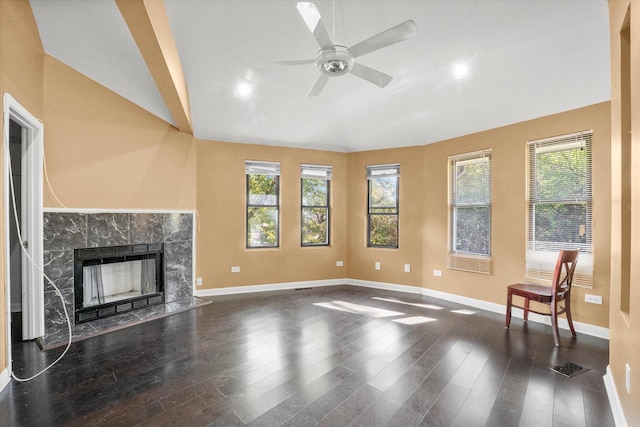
(117, 279)
(104, 283)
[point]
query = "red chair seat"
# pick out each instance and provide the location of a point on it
(534, 291)
(560, 290)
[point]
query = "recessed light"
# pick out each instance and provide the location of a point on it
(460, 71)
(244, 89)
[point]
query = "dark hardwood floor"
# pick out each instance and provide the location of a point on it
(334, 356)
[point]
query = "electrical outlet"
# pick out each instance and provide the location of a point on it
(377, 265)
(593, 299)
(339, 263)
(198, 281)
(235, 269)
(437, 273)
(407, 268)
(627, 378)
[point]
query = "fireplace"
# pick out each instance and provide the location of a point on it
(117, 279)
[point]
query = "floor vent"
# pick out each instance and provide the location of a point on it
(569, 369)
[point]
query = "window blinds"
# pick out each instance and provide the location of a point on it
(560, 205)
(383, 171)
(261, 168)
(316, 171)
(470, 212)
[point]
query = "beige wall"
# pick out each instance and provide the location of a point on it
(509, 210)
(103, 151)
(411, 219)
(424, 212)
(21, 57)
(221, 211)
(624, 319)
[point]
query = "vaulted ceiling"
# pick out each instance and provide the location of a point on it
(525, 59)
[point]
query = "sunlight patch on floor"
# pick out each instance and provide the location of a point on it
(358, 309)
(414, 304)
(465, 312)
(415, 320)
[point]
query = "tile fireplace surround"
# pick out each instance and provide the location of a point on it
(64, 231)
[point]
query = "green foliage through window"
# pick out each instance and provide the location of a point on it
(315, 211)
(262, 210)
(560, 205)
(471, 204)
(383, 230)
(383, 206)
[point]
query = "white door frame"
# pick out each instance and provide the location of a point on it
(33, 286)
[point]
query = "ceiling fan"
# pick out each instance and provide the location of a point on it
(335, 60)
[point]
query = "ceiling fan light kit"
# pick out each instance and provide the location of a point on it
(337, 60)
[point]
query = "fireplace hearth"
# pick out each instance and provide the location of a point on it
(117, 279)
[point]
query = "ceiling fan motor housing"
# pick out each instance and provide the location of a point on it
(334, 63)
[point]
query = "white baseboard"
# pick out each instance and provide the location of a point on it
(584, 328)
(614, 399)
(266, 288)
(472, 302)
(5, 378)
(385, 286)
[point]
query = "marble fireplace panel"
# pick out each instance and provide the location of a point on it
(178, 270)
(108, 229)
(65, 231)
(146, 227)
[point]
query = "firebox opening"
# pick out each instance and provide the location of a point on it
(117, 279)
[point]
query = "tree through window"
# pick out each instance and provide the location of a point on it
(315, 186)
(263, 204)
(560, 204)
(470, 212)
(383, 205)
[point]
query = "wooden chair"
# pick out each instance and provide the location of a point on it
(560, 290)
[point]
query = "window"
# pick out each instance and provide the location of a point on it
(470, 212)
(382, 218)
(315, 187)
(263, 204)
(560, 205)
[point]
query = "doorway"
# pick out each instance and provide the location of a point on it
(15, 254)
(23, 151)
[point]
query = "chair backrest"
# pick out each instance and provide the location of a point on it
(563, 274)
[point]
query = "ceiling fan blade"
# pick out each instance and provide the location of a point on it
(400, 32)
(317, 87)
(294, 62)
(311, 15)
(369, 74)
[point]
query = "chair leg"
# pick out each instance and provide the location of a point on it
(526, 309)
(508, 318)
(554, 323)
(567, 308)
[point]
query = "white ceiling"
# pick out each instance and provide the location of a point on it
(526, 59)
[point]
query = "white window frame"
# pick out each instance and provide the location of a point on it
(458, 259)
(541, 259)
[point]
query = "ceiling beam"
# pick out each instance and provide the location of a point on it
(148, 22)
